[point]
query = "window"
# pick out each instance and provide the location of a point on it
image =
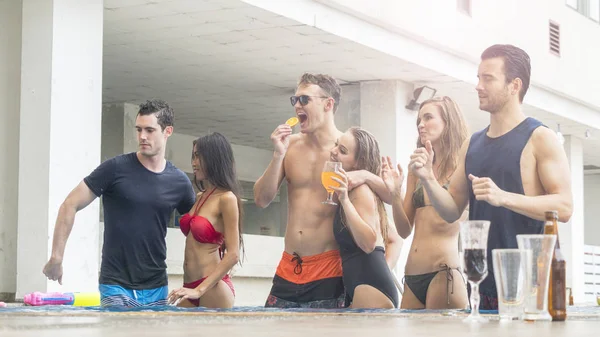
(595, 10)
(554, 38)
(583, 7)
(270, 221)
(464, 6)
(588, 8)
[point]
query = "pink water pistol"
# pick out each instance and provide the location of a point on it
(55, 298)
(39, 298)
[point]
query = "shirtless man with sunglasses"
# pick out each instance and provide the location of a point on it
(310, 271)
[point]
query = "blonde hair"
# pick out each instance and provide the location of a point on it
(368, 158)
(452, 138)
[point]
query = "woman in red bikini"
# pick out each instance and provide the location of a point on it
(212, 228)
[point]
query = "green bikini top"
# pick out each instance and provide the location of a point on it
(418, 196)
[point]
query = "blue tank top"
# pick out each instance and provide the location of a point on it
(500, 159)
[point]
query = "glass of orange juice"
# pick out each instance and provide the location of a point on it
(330, 170)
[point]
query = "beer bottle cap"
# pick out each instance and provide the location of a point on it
(550, 215)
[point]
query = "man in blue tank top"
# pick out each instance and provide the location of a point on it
(139, 191)
(511, 172)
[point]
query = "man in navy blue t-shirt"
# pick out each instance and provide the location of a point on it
(139, 191)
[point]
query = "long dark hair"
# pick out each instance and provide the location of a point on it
(216, 157)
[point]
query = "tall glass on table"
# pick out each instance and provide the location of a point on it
(474, 238)
(510, 271)
(538, 274)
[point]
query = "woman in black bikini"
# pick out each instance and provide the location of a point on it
(432, 279)
(361, 228)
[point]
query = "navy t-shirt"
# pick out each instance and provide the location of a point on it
(138, 204)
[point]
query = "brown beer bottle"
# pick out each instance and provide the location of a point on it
(557, 287)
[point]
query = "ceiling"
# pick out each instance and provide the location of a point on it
(227, 66)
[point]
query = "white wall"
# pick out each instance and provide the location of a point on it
(439, 23)
(10, 85)
(592, 211)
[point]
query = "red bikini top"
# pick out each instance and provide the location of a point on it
(202, 230)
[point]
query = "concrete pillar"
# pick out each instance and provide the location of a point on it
(59, 140)
(572, 233)
(348, 112)
(118, 129)
(383, 113)
(10, 79)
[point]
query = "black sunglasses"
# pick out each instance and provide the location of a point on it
(304, 99)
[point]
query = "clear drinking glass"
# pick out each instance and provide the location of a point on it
(510, 271)
(538, 274)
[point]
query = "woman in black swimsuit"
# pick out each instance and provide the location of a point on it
(432, 279)
(361, 228)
